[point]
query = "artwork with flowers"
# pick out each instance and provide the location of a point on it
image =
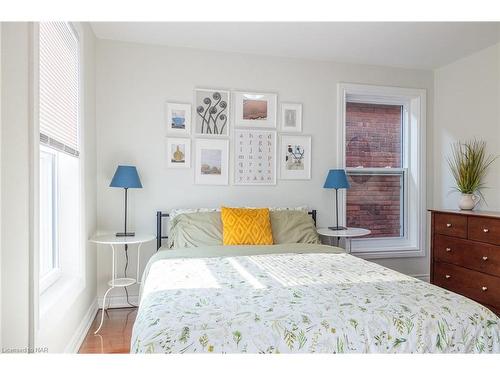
(212, 112)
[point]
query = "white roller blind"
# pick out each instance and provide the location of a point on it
(59, 73)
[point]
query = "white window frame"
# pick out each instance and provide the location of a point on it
(52, 276)
(412, 243)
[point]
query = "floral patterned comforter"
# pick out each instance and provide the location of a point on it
(306, 299)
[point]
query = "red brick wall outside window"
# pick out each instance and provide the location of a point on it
(373, 140)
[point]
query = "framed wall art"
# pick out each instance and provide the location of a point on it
(178, 119)
(212, 161)
(255, 110)
(291, 117)
(178, 152)
(254, 157)
(212, 112)
(295, 157)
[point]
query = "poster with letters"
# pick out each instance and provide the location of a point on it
(254, 157)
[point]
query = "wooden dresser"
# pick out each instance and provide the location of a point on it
(465, 254)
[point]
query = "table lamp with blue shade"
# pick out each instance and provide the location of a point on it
(126, 177)
(336, 179)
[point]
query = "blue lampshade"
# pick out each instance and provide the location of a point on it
(126, 176)
(336, 179)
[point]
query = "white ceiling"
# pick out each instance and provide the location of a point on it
(422, 45)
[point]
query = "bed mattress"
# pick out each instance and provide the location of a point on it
(299, 298)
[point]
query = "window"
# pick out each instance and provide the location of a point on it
(374, 160)
(59, 152)
(382, 151)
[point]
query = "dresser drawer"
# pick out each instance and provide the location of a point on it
(478, 256)
(484, 229)
(475, 285)
(451, 225)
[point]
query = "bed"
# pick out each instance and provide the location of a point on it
(299, 298)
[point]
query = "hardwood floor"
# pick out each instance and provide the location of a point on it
(114, 336)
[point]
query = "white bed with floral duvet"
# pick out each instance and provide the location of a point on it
(299, 298)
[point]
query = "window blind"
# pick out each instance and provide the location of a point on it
(59, 72)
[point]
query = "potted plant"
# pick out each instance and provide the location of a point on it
(468, 163)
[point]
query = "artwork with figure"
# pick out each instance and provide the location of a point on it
(294, 157)
(255, 154)
(290, 118)
(211, 161)
(212, 112)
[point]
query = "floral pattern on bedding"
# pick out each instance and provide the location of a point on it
(303, 303)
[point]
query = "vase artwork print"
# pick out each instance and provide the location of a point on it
(178, 152)
(212, 112)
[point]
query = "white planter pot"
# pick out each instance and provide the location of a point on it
(468, 201)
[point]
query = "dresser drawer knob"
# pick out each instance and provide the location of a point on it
(448, 225)
(447, 276)
(485, 258)
(486, 230)
(448, 249)
(484, 289)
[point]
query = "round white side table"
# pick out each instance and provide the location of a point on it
(348, 234)
(117, 282)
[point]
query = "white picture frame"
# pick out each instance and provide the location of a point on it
(291, 117)
(295, 157)
(254, 157)
(178, 119)
(255, 110)
(178, 153)
(211, 161)
(211, 111)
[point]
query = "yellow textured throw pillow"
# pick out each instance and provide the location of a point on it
(246, 226)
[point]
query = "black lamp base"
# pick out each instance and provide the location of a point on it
(337, 228)
(128, 234)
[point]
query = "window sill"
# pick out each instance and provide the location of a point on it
(59, 295)
(410, 252)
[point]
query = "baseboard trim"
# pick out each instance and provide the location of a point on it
(119, 301)
(424, 277)
(80, 333)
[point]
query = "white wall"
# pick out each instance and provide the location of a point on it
(133, 83)
(1, 54)
(62, 332)
(15, 186)
(467, 106)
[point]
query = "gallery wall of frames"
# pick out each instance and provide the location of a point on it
(238, 137)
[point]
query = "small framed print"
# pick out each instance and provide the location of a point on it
(255, 110)
(178, 153)
(295, 157)
(291, 117)
(212, 112)
(212, 161)
(254, 157)
(178, 119)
